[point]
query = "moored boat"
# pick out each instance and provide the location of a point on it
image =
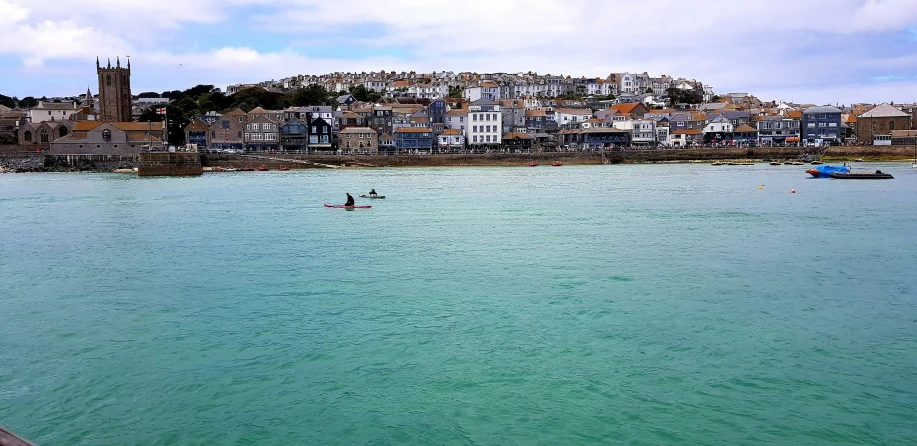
(263, 169)
(774, 163)
(284, 168)
(877, 175)
(858, 160)
(557, 163)
(826, 171)
(532, 164)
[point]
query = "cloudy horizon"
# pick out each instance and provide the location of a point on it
(817, 51)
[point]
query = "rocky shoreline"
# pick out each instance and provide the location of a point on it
(112, 163)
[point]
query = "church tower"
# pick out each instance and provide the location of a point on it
(114, 91)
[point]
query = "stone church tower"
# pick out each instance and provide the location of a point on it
(114, 91)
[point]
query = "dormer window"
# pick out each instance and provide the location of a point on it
(106, 134)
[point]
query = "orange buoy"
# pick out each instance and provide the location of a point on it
(792, 191)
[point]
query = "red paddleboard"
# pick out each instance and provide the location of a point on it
(345, 207)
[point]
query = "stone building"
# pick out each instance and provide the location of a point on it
(42, 134)
(226, 133)
(114, 91)
(359, 140)
(109, 138)
(881, 120)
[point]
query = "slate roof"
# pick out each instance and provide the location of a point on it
(884, 111)
(822, 109)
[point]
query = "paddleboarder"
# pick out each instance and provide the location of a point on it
(349, 200)
(372, 193)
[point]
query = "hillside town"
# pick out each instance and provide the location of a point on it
(386, 113)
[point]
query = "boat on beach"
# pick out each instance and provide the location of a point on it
(263, 169)
(283, 168)
(532, 164)
(557, 164)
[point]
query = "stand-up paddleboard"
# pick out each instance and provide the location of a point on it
(372, 196)
(345, 207)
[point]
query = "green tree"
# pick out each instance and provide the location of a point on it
(363, 94)
(148, 94)
(177, 121)
(456, 91)
(312, 95)
(677, 96)
(28, 102)
(7, 101)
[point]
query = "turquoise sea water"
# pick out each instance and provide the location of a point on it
(661, 304)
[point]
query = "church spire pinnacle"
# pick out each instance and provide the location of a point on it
(109, 62)
(118, 61)
(97, 62)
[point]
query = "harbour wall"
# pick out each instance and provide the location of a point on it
(169, 164)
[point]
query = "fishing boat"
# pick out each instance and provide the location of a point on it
(798, 163)
(263, 169)
(283, 168)
(230, 169)
(774, 163)
(557, 164)
(787, 163)
(877, 175)
(815, 163)
(532, 164)
(826, 171)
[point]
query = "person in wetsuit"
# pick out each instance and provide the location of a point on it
(349, 200)
(372, 193)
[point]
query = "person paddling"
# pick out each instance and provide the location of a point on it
(349, 200)
(372, 193)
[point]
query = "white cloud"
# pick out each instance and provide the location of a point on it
(770, 48)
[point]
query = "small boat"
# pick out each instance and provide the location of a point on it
(747, 164)
(716, 163)
(798, 163)
(877, 175)
(532, 164)
(229, 169)
(826, 171)
(732, 164)
(247, 169)
(557, 164)
(341, 206)
(372, 196)
(814, 172)
(263, 169)
(858, 160)
(774, 163)
(787, 163)
(217, 169)
(815, 163)
(283, 168)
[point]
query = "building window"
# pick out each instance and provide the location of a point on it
(891, 125)
(44, 136)
(27, 136)
(108, 80)
(63, 131)
(239, 134)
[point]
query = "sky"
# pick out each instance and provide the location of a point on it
(807, 51)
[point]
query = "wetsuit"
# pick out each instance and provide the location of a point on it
(349, 200)
(373, 193)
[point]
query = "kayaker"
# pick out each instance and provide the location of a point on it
(349, 200)
(372, 193)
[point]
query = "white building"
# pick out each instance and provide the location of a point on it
(456, 119)
(52, 111)
(565, 116)
(643, 131)
(451, 139)
(485, 123)
(486, 90)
